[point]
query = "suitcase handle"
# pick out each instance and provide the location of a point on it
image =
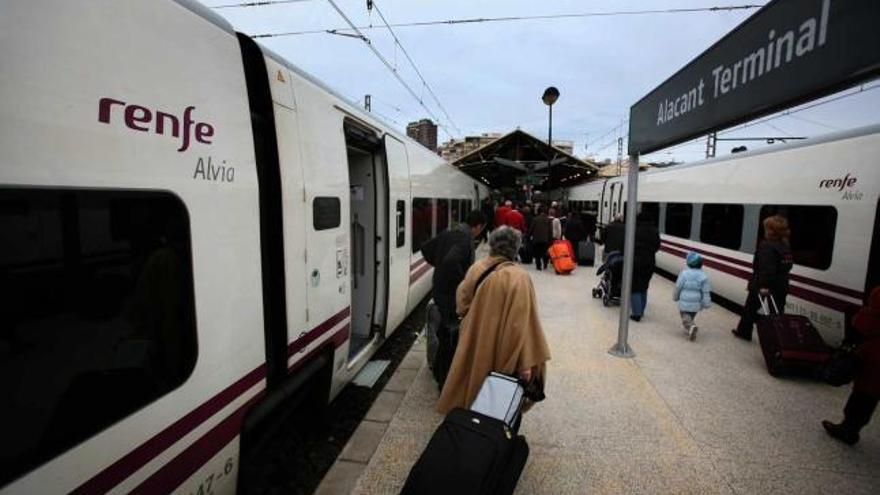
(763, 301)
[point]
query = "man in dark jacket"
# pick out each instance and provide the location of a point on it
(646, 246)
(613, 236)
(451, 254)
(542, 235)
(574, 229)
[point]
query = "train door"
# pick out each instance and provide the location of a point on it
(398, 244)
(293, 218)
(368, 194)
(604, 214)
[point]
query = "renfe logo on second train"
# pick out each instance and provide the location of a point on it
(142, 119)
(839, 184)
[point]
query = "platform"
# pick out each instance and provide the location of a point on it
(681, 417)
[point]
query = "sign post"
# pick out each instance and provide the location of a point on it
(787, 53)
(622, 348)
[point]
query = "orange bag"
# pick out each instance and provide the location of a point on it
(561, 257)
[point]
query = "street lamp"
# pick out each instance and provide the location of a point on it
(550, 96)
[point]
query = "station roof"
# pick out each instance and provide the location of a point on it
(510, 160)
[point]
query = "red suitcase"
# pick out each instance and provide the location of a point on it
(790, 342)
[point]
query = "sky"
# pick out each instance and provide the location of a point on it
(489, 77)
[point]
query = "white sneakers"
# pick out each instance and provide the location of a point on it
(692, 333)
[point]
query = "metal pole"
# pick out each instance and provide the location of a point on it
(622, 348)
(550, 156)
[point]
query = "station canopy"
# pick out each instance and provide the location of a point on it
(518, 158)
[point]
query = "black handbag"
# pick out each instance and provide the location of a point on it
(841, 368)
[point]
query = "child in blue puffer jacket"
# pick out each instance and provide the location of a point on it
(692, 291)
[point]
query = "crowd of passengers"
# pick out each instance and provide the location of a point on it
(488, 313)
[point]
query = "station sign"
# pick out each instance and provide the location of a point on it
(789, 52)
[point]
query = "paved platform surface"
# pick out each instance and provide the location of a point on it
(682, 417)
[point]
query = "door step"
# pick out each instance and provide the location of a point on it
(370, 373)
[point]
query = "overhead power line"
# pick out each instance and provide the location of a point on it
(478, 20)
(610, 131)
(387, 64)
(255, 4)
(415, 68)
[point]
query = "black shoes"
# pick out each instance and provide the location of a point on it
(841, 433)
(635, 317)
(741, 336)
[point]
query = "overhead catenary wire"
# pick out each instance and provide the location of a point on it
(387, 64)
(415, 68)
(255, 4)
(479, 20)
(610, 131)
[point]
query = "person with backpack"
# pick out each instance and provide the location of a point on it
(451, 254)
(692, 292)
(500, 328)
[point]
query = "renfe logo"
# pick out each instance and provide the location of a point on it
(141, 119)
(839, 184)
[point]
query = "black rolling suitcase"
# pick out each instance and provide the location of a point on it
(469, 454)
(586, 253)
(790, 343)
(476, 451)
(525, 252)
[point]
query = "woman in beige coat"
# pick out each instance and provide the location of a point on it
(500, 330)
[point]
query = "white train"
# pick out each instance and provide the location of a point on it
(195, 234)
(827, 188)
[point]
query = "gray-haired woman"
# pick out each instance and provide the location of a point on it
(500, 329)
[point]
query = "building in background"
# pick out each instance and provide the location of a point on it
(454, 149)
(425, 132)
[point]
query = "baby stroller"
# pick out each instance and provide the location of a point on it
(609, 285)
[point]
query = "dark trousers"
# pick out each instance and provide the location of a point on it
(858, 410)
(750, 315)
(447, 336)
(539, 251)
(638, 303)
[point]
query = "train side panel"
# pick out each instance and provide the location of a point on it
(835, 173)
(105, 105)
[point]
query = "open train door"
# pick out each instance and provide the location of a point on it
(369, 228)
(398, 242)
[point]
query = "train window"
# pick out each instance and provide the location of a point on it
(678, 219)
(812, 232)
(97, 314)
(401, 223)
(442, 215)
(326, 213)
(421, 222)
(721, 225)
(650, 212)
(455, 212)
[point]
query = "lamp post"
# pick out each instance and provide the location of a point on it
(550, 96)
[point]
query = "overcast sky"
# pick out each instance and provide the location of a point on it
(490, 76)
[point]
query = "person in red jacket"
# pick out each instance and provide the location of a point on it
(501, 213)
(866, 386)
(516, 220)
